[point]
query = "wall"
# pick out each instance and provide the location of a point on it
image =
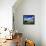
(6, 13)
(28, 7)
(43, 22)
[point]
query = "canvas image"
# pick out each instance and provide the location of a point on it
(28, 19)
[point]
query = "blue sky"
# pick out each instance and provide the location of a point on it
(29, 17)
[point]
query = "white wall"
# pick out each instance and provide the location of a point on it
(6, 13)
(43, 22)
(28, 7)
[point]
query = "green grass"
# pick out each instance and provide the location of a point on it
(27, 22)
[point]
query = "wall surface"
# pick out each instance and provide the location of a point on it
(6, 13)
(6, 16)
(28, 7)
(43, 22)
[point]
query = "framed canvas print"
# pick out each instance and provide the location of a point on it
(28, 19)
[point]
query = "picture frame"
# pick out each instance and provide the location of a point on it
(29, 19)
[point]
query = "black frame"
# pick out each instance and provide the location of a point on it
(29, 19)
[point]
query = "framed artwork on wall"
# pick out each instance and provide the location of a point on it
(28, 19)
